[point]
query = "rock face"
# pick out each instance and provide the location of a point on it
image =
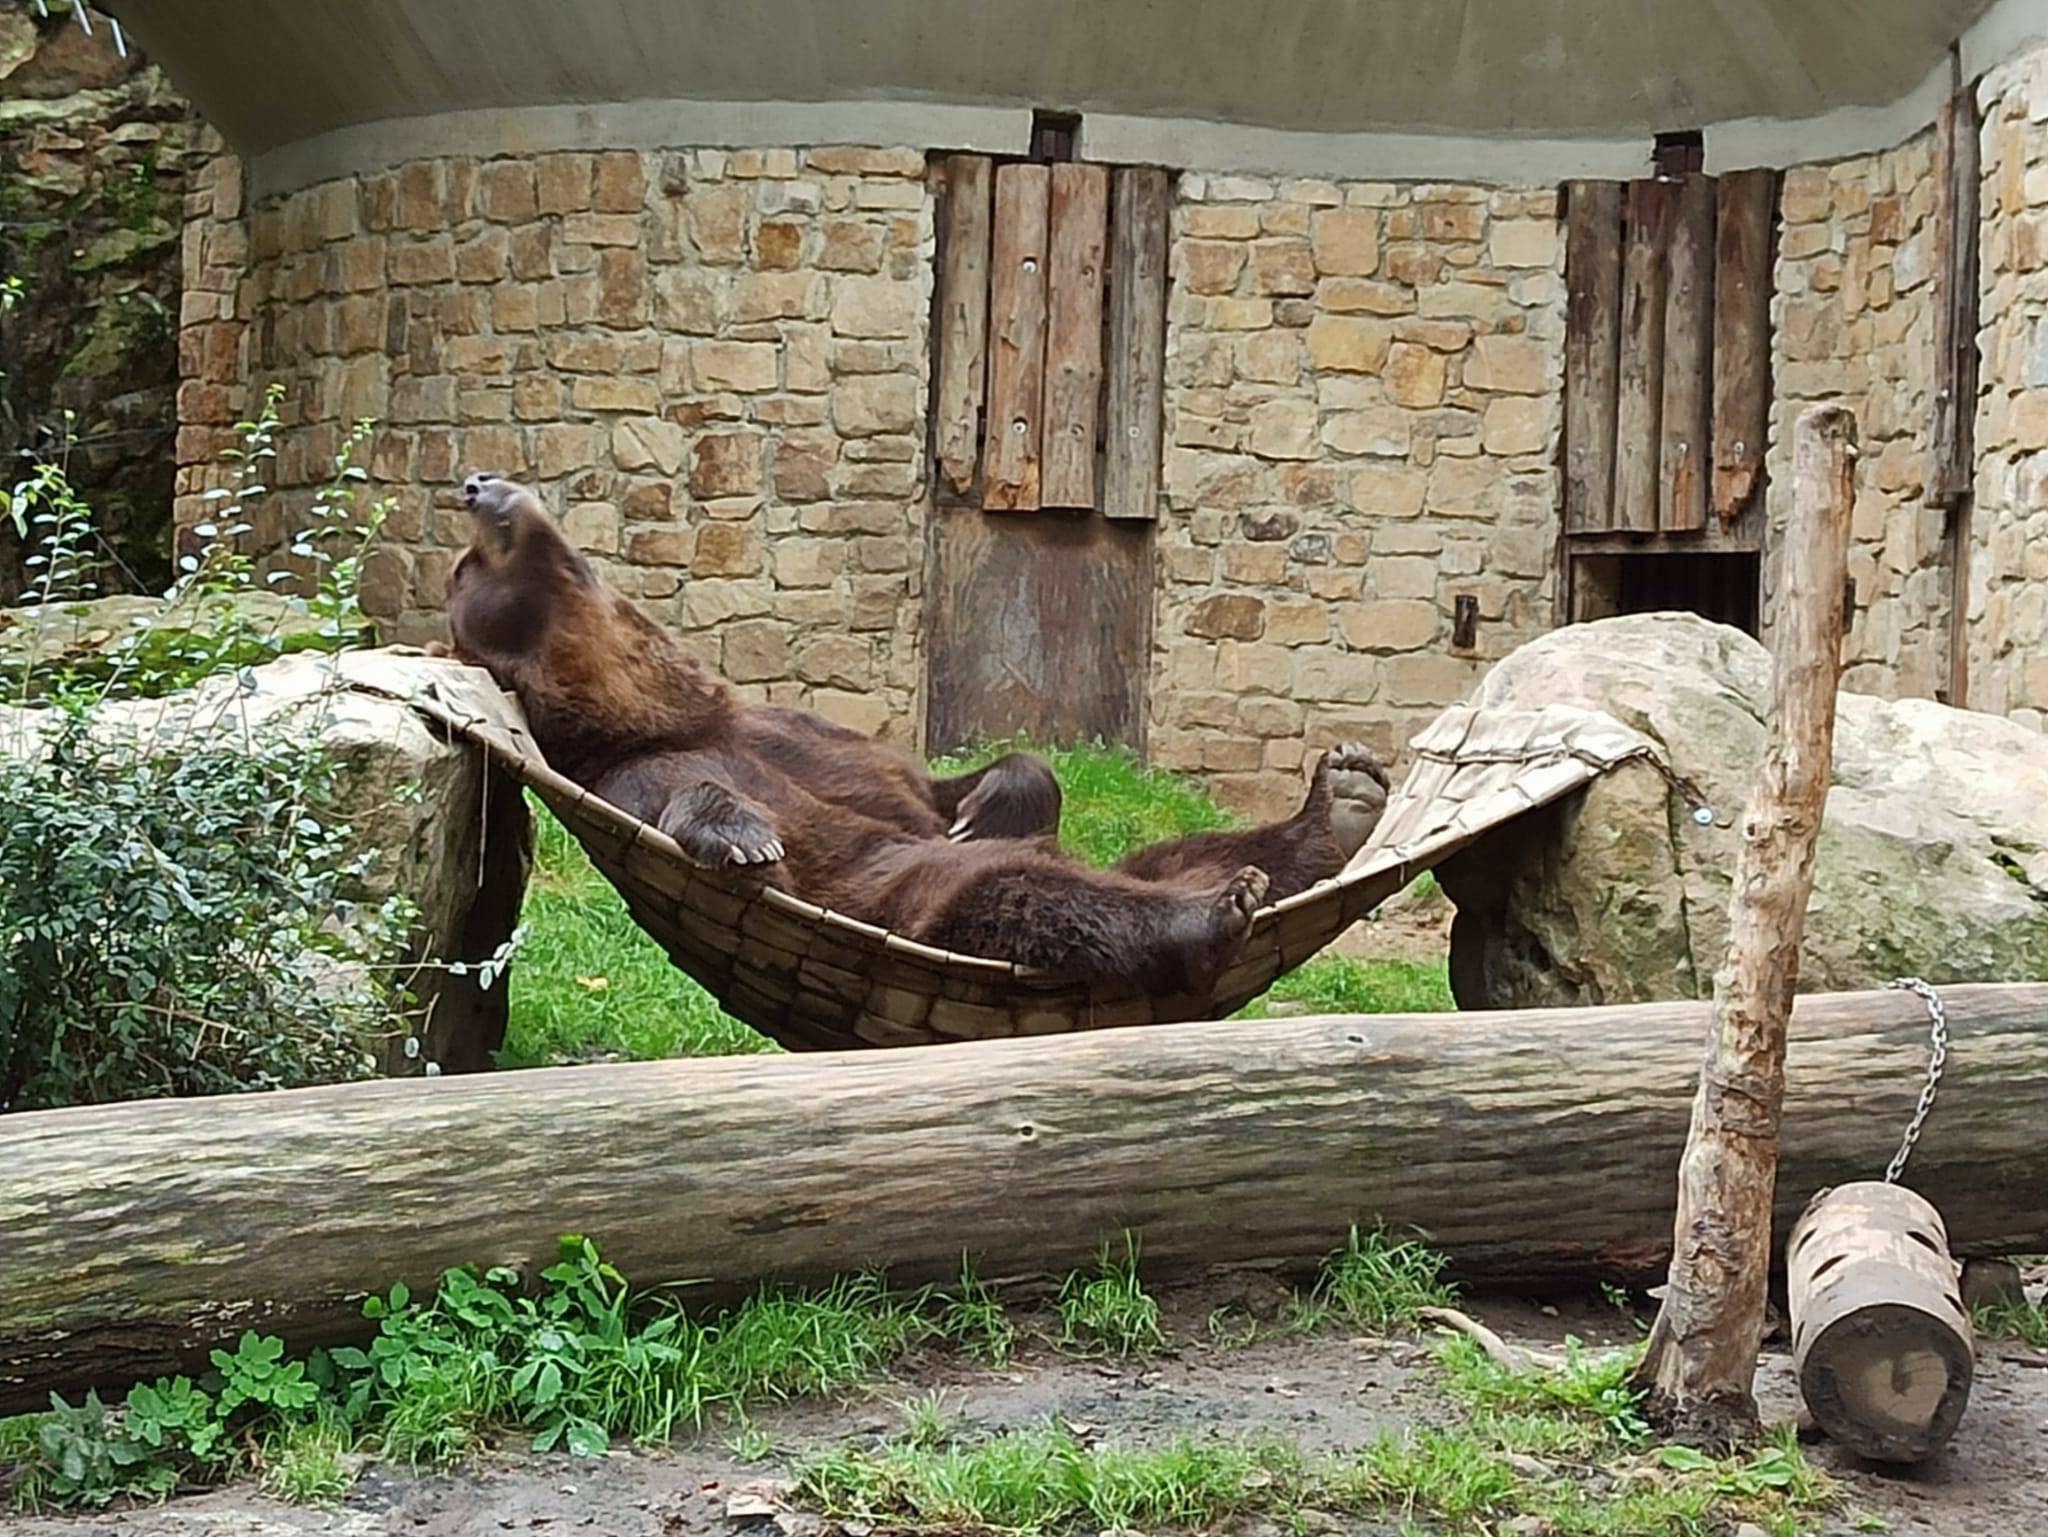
(1933, 857)
(95, 151)
(449, 832)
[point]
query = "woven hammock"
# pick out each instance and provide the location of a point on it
(812, 979)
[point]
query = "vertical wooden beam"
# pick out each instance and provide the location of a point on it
(1639, 396)
(1592, 352)
(1134, 419)
(963, 317)
(1016, 369)
(1746, 204)
(1699, 1371)
(1956, 222)
(1073, 340)
(1687, 417)
(1951, 479)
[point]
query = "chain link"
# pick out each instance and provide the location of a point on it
(1937, 1037)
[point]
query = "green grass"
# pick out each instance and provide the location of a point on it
(1048, 1483)
(1377, 1281)
(2024, 1321)
(1109, 1312)
(1033, 1483)
(589, 985)
(577, 1359)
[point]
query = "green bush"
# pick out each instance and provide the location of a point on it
(175, 912)
(166, 924)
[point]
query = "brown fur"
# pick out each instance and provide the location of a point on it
(968, 863)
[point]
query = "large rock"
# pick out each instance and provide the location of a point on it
(96, 640)
(448, 831)
(1933, 856)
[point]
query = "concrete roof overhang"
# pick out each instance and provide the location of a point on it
(1509, 88)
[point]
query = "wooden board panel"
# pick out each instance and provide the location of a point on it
(1686, 417)
(1745, 208)
(963, 317)
(1040, 625)
(1078, 233)
(1016, 365)
(1134, 418)
(1639, 396)
(1592, 271)
(1955, 403)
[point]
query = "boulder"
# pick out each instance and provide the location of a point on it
(449, 832)
(95, 639)
(1933, 855)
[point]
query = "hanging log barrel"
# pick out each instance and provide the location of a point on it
(1880, 1340)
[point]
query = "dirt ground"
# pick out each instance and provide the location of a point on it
(1324, 1393)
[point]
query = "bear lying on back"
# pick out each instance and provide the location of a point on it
(968, 863)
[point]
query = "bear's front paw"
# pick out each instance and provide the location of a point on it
(715, 827)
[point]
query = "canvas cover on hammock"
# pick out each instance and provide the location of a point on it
(812, 979)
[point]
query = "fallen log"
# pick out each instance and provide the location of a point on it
(1531, 1145)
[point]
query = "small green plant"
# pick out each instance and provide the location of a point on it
(1036, 1483)
(255, 1372)
(1109, 1312)
(86, 1458)
(308, 1462)
(972, 1318)
(2014, 1318)
(1377, 1281)
(752, 1444)
(1583, 1405)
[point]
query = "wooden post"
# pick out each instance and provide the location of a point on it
(1880, 1339)
(1700, 1367)
(1687, 417)
(963, 318)
(1016, 368)
(1746, 202)
(1592, 275)
(1639, 405)
(1073, 339)
(1134, 420)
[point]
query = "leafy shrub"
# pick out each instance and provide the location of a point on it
(175, 911)
(166, 924)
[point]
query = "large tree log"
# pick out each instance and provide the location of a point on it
(1531, 1145)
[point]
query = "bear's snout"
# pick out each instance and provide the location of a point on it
(473, 487)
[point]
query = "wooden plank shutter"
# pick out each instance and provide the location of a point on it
(1640, 394)
(1135, 417)
(963, 317)
(1073, 346)
(1686, 418)
(1745, 202)
(1016, 377)
(1955, 399)
(1592, 350)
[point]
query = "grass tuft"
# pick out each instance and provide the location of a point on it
(971, 1317)
(1034, 1483)
(1109, 1312)
(1377, 1281)
(2014, 1319)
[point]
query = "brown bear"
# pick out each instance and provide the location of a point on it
(970, 863)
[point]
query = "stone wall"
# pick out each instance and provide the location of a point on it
(1361, 418)
(1855, 319)
(93, 151)
(711, 364)
(2008, 597)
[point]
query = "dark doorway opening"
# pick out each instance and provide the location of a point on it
(1722, 586)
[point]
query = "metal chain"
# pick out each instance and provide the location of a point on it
(1937, 1058)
